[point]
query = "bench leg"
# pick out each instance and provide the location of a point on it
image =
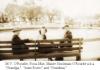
(35, 59)
(78, 58)
(98, 59)
(0, 59)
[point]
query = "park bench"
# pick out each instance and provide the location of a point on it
(34, 52)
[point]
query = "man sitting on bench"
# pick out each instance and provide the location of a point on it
(68, 36)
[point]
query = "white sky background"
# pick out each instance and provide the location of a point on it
(72, 8)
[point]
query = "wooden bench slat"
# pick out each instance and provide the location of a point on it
(9, 46)
(17, 56)
(61, 44)
(57, 54)
(52, 40)
(39, 55)
(43, 45)
(10, 51)
(53, 49)
(57, 40)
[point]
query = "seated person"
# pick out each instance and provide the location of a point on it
(42, 36)
(68, 36)
(18, 45)
(42, 33)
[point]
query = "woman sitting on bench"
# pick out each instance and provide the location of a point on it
(42, 33)
(18, 45)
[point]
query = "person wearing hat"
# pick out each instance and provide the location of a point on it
(18, 45)
(68, 36)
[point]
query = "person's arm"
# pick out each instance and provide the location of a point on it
(25, 40)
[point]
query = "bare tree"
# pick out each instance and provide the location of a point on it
(12, 11)
(52, 15)
(33, 13)
(69, 21)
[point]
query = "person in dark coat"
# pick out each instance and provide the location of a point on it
(68, 36)
(18, 45)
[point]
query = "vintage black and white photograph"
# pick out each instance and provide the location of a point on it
(50, 30)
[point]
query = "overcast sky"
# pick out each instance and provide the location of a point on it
(72, 8)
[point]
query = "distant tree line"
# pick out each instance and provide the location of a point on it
(29, 13)
(3, 18)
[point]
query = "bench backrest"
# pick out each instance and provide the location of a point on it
(6, 47)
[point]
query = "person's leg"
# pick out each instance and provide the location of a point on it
(59, 58)
(50, 59)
